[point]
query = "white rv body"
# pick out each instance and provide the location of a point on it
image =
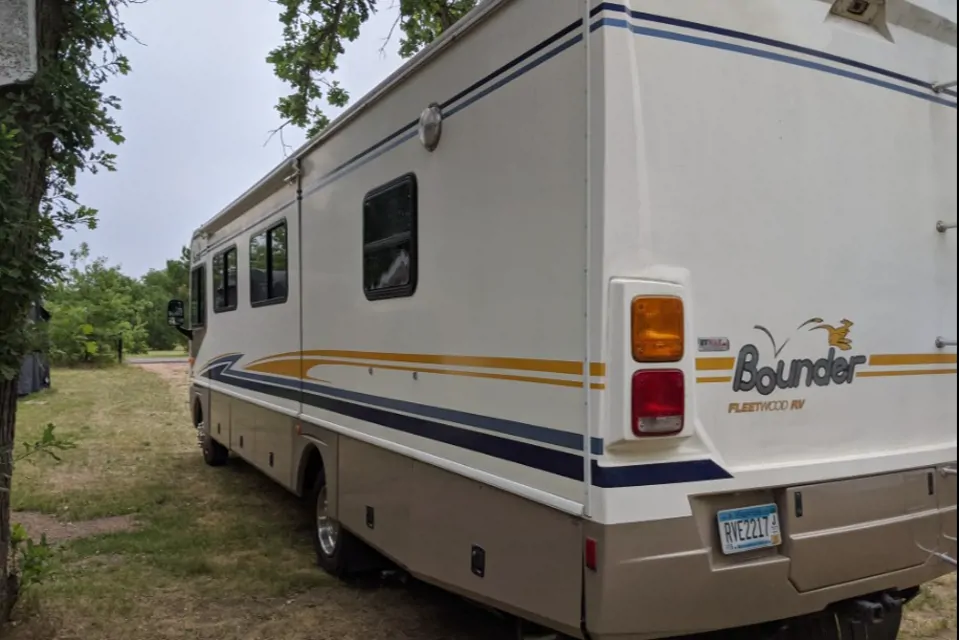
(779, 167)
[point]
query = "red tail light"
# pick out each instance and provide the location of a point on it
(659, 402)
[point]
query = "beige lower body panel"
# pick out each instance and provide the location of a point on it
(262, 437)
(432, 521)
(847, 539)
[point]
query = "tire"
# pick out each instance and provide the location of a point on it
(338, 552)
(214, 453)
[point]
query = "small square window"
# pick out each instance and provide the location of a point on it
(389, 240)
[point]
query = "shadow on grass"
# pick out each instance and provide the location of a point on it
(232, 538)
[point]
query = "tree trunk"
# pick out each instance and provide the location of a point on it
(8, 421)
(29, 180)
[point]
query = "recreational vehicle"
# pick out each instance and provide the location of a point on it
(629, 320)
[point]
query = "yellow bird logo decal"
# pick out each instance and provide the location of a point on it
(838, 336)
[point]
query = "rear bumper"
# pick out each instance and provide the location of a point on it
(850, 538)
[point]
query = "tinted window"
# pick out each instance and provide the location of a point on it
(268, 266)
(224, 280)
(198, 296)
(389, 240)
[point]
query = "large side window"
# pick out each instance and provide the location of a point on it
(198, 296)
(389, 240)
(268, 266)
(224, 280)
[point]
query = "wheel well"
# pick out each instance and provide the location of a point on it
(310, 468)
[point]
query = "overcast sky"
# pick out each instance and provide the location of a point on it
(197, 109)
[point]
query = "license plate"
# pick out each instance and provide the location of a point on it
(749, 528)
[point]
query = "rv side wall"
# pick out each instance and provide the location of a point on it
(449, 405)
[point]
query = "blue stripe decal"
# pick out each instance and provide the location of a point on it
(562, 463)
(568, 464)
(516, 74)
(614, 7)
(619, 23)
(657, 473)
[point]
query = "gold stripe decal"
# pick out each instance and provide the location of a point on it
(906, 372)
(565, 367)
(715, 364)
(910, 359)
(714, 379)
(298, 368)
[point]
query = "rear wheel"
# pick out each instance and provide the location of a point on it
(338, 552)
(214, 453)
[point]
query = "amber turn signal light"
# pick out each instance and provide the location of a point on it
(657, 328)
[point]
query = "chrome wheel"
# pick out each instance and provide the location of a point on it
(327, 529)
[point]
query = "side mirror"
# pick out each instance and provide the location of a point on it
(175, 313)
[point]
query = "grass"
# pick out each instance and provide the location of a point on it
(216, 554)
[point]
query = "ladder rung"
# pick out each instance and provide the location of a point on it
(942, 342)
(942, 227)
(948, 471)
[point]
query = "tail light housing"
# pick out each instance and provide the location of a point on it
(658, 402)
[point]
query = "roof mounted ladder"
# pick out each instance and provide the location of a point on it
(939, 87)
(941, 342)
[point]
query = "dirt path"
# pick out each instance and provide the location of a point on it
(56, 531)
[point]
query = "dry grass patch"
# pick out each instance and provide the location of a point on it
(933, 613)
(39, 524)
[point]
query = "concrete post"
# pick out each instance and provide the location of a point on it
(18, 41)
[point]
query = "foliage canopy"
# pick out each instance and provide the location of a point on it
(314, 32)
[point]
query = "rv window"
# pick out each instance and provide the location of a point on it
(224, 280)
(389, 240)
(198, 297)
(268, 266)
